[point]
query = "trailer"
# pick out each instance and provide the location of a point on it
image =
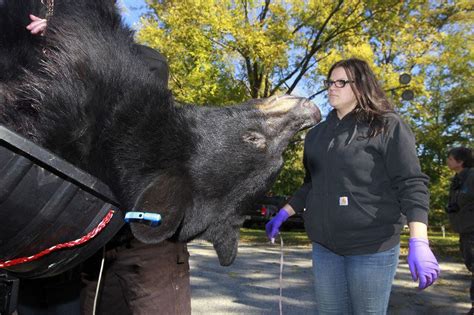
(53, 215)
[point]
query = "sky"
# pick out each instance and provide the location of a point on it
(132, 9)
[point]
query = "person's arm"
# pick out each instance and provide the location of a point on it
(37, 25)
(288, 208)
(418, 229)
(466, 199)
(411, 188)
(403, 169)
(272, 228)
(422, 263)
(298, 201)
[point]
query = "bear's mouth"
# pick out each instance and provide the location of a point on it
(224, 236)
(226, 251)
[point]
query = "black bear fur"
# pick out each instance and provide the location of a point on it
(82, 92)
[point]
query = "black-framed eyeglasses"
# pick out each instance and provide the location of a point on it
(337, 83)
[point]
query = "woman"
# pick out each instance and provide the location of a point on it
(362, 179)
(460, 208)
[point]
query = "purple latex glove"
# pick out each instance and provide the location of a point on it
(273, 226)
(423, 264)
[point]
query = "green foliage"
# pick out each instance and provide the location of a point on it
(260, 48)
(292, 174)
(439, 189)
(223, 52)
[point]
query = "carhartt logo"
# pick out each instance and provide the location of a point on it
(343, 201)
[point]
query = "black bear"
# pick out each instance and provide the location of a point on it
(81, 92)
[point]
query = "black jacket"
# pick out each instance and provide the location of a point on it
(358, 190)
(156, 62)
(461, 201)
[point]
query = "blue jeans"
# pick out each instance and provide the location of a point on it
(358, 284)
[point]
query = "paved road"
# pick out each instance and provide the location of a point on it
(251, 284)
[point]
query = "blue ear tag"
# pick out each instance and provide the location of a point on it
(149, 218)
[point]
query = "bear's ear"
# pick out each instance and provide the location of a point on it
(169, 196)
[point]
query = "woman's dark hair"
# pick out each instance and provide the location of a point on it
(371, 100)
(462, 154)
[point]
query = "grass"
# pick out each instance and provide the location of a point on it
(446, 248)
(258, 236)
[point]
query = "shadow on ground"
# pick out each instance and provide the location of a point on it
(251, 284)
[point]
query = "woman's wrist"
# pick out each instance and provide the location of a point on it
(418, 230)
(289, 209)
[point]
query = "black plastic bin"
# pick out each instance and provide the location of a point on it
(45, 201)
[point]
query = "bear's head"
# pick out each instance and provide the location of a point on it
(89, 98)
(236, 156)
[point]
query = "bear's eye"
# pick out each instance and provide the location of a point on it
(256, 139)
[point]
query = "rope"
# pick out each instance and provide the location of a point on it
(50, 8)
(96, 298)
(281, 275)
(79, 241)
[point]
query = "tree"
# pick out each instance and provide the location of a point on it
(438, 54)
(222, 52)
(259, 48)
(447, 118)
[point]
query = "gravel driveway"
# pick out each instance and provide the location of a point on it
(251, 284)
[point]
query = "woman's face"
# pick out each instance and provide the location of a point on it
(453, 164)
(342, 99)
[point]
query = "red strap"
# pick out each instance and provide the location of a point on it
(79, 241)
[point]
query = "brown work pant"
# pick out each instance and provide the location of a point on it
(140, 279)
